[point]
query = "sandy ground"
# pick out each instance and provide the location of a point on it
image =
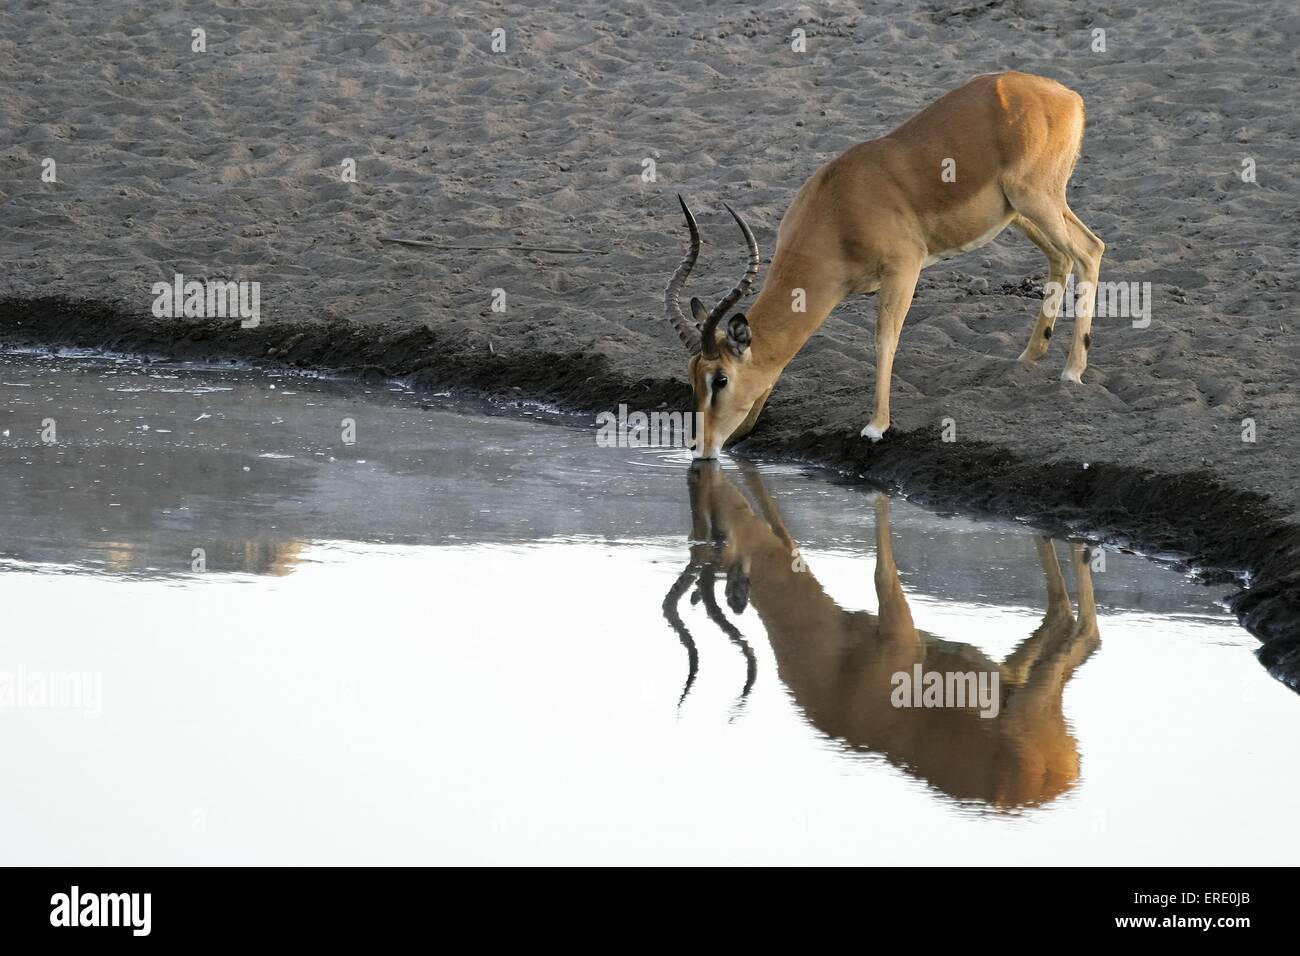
(227, 164)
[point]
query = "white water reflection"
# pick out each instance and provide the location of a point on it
(456, 652)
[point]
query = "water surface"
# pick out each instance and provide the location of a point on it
(463, 637)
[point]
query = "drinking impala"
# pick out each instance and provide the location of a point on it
(997, 152)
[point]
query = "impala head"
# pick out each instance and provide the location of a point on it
(726, 389)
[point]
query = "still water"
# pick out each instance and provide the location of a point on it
(233, 636)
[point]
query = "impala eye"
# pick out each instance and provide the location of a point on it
(719, 382)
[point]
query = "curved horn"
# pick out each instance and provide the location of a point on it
(674, 619)
(707, 333)
(717, 616)
(687, 331)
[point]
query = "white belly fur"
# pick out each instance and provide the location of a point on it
(974, 244)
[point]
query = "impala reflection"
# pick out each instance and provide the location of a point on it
(849, 671)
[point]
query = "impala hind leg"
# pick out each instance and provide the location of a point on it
(1089, 252)
(896, 290)
(1059, 264)
(1063, 230)
(1058, 619)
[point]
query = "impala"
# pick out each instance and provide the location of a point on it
(841, 666)
(997, 152)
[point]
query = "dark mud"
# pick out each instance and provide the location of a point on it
(1220, 531)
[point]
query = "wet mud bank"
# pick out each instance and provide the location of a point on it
(1221, 531)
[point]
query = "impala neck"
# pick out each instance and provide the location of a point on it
(779, 330)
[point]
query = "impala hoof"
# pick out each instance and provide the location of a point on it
(874, 433)
(1071, 376)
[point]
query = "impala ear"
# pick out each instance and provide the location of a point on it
(699, 311)
(738, 333)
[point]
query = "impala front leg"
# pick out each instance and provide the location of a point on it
(895, 615)
(896, 289)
